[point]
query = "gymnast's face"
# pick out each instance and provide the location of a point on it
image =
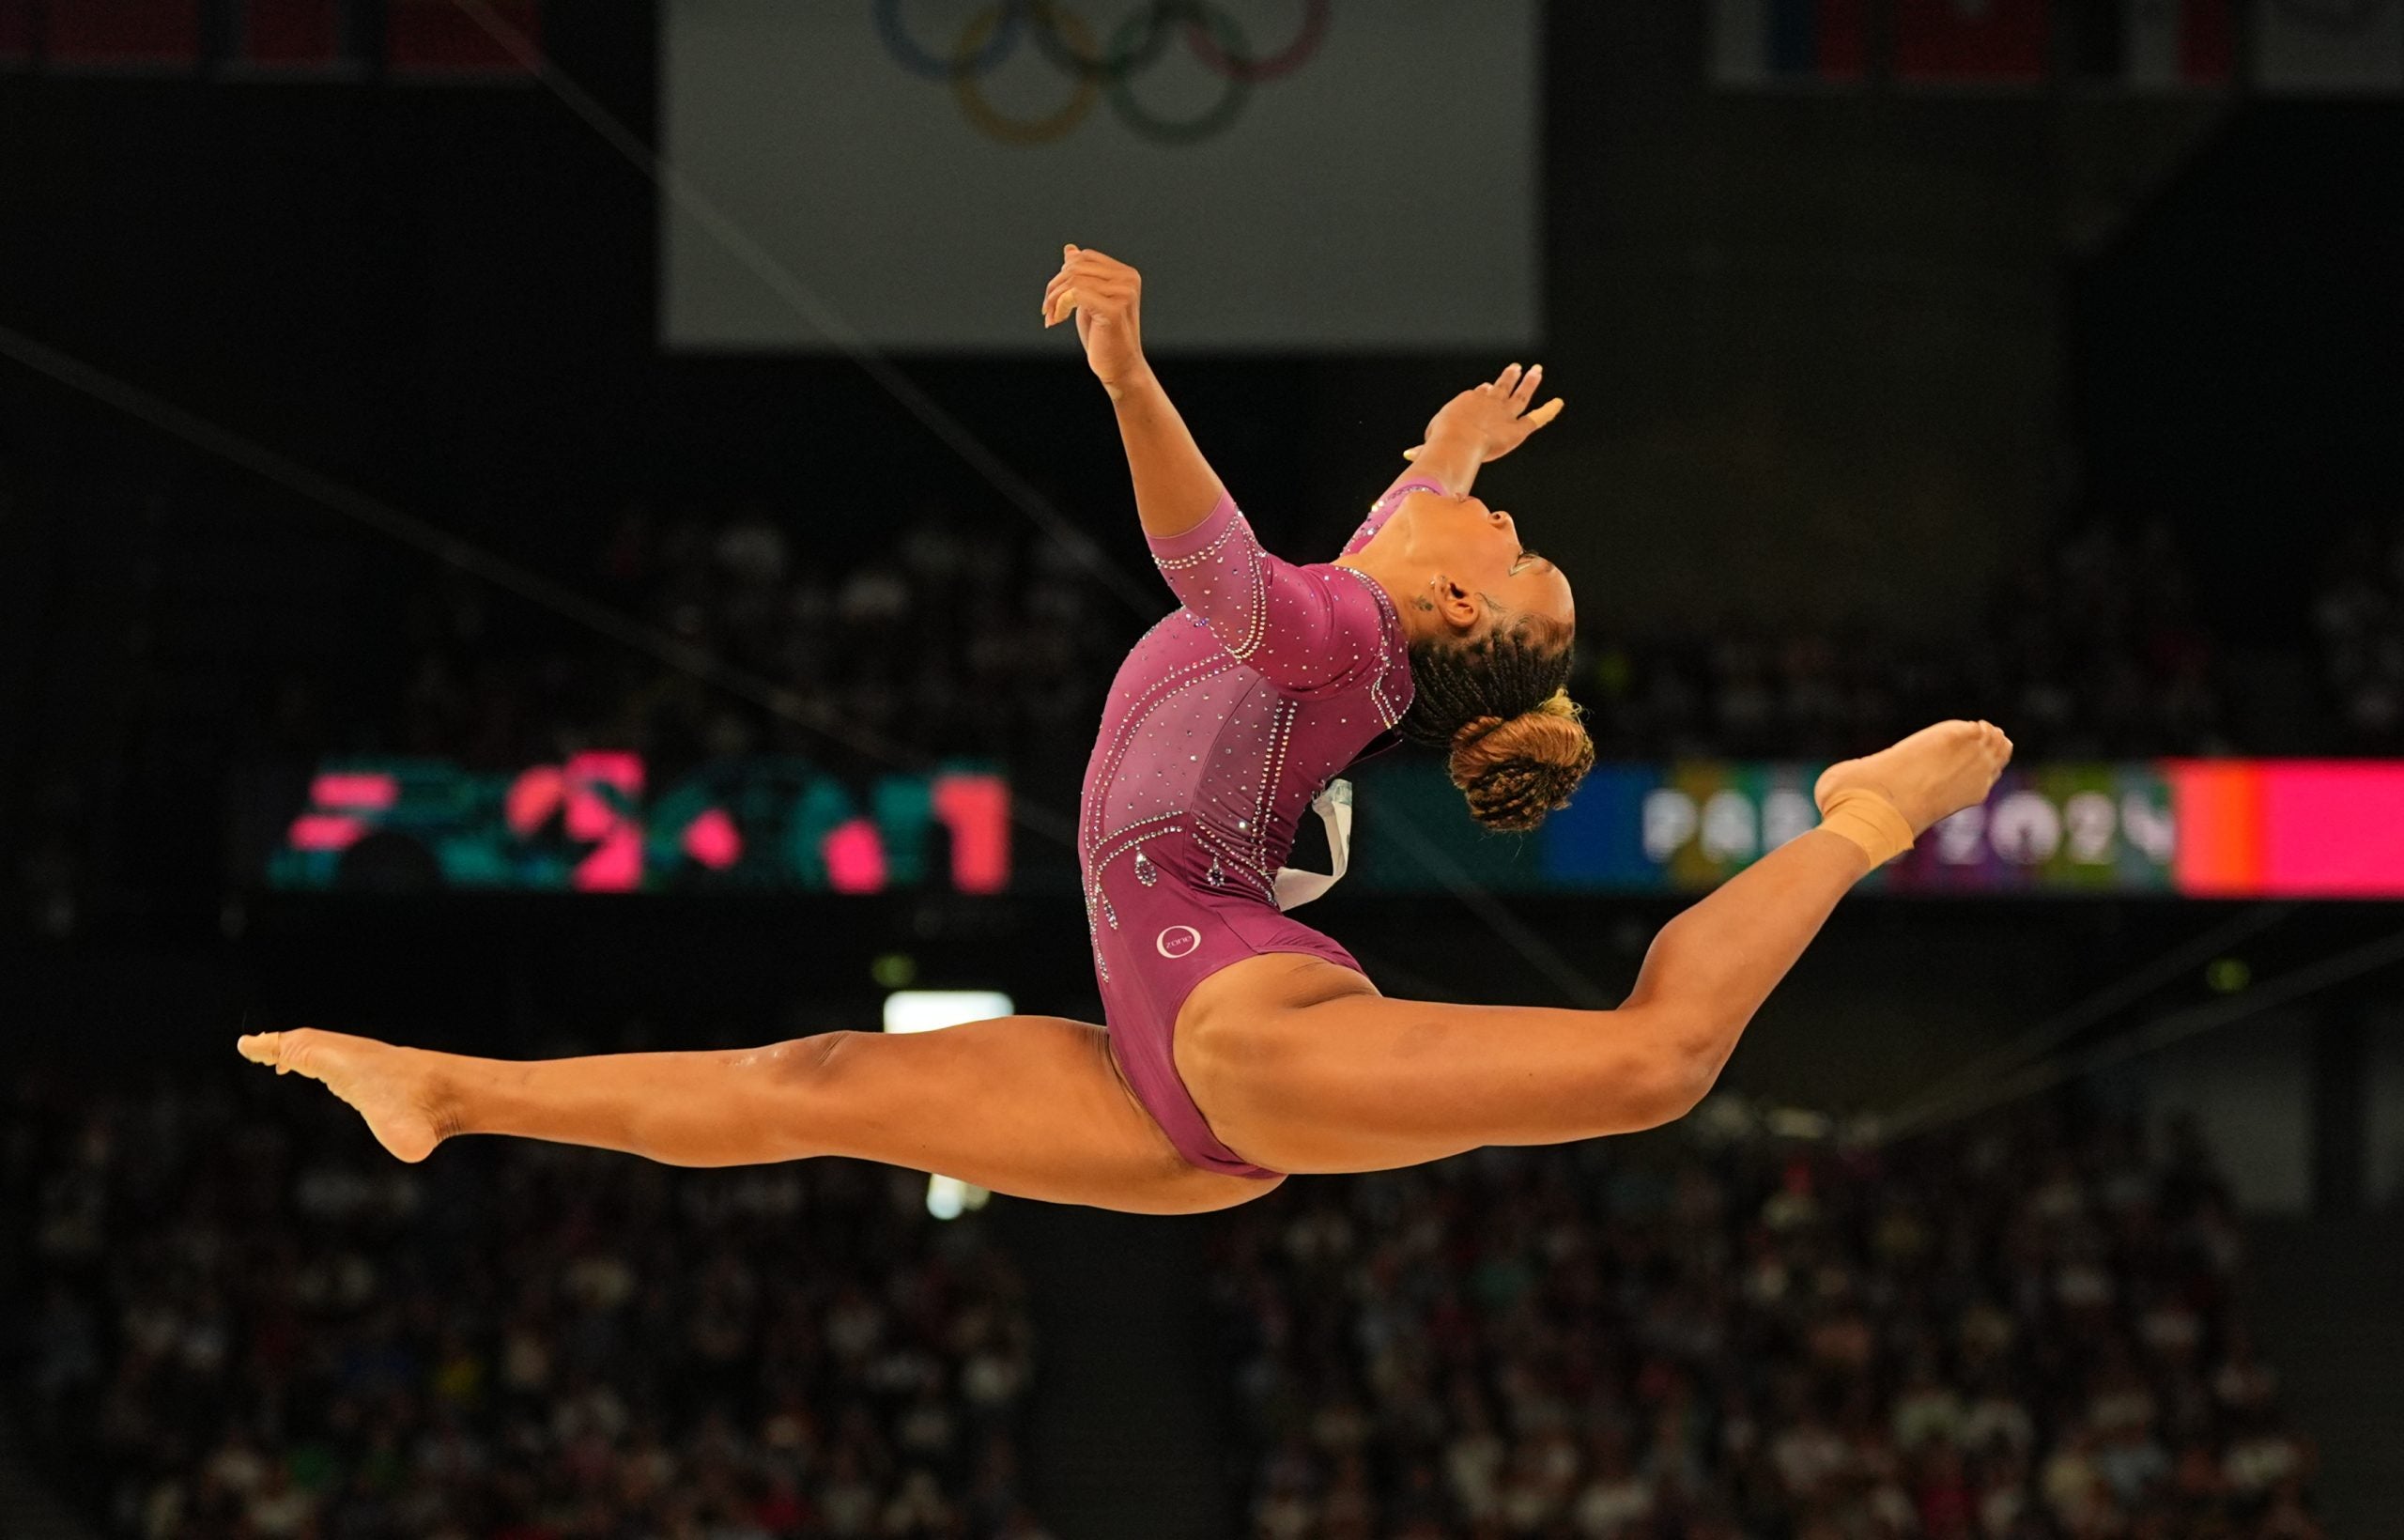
(1454, 562)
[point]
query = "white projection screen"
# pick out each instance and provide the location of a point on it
(1290, 175)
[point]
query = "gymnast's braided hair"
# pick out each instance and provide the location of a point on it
(1496, 703)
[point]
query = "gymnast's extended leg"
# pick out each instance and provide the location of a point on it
(1028, 1106)
(1301, 1065)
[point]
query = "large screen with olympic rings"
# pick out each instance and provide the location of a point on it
(1289, 175)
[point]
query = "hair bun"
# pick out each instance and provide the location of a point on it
(1472, 729)
(1515, 770)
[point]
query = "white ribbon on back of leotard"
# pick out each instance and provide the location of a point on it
(1296, 887)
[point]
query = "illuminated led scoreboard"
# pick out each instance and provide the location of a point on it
(599, 823)
(2195, 828)
(2109, 829)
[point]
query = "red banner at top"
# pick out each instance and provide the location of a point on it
(1971, 40)
(291, 34)
(123, 32)
(16, 32)
(439, 37)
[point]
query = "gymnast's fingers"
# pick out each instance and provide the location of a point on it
(1062, 302)
(1072, 267)
(1052, 292)
(1095, 265)
(1071, 272)
(1527, 387)
(1103, 297)
(1091, 278)
(1544, 413)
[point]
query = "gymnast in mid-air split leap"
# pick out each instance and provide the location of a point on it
(1242, 1045)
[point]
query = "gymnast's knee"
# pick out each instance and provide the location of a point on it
(814, 1061)
(1667, 1077)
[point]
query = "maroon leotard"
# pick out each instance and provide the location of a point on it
(1225, 722)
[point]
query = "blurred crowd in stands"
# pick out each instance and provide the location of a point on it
(238, 1320)
(2360, 623)
(2030, 1333)
(990, 645)
(999, 645)
(2096, 652)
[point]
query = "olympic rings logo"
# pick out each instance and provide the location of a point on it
(1106, 68)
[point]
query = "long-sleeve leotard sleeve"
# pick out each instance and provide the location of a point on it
(1311, 631)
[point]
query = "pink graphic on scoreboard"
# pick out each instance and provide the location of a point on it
(854, 858)
(340, 810)
(712, 840)
(594, 823)
(975, 810)
(2290, 828)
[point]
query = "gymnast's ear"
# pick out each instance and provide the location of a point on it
(1463, 611)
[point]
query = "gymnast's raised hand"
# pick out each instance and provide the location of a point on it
(1495, 416)
(1106, 297)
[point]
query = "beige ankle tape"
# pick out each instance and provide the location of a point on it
(1870, 821)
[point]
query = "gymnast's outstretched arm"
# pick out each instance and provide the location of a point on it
(1176, 489)
(1309, 631)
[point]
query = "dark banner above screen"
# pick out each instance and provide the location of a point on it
(2199, 828)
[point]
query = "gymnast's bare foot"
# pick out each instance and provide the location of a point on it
(391, 1087)
(1935, 772)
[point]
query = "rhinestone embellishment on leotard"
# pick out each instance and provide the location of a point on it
(1231, 813)
(1387, 713)
(1101, 966)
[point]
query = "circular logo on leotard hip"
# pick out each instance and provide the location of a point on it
(1178, 941)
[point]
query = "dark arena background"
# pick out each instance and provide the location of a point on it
(534, 528)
